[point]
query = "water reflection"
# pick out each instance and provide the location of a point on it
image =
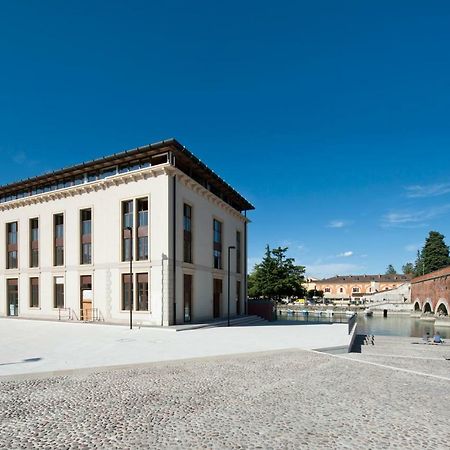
(398, 326)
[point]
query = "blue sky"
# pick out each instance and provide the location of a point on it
(331, 117)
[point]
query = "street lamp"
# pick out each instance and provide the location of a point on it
(130, 229)
(230, 247)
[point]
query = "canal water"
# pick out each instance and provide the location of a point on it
(393, 325)
(398, 325)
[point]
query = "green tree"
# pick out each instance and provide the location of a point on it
(419, 268)
(408, 268)
(435, 253)
(390, 270)
(276, 276)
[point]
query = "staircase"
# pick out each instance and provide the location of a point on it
(243, 321)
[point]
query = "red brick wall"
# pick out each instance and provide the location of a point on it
(433, 288)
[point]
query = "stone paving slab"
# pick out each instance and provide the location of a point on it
(280, 400)
(29, 346)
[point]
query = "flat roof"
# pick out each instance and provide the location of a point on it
(183, 159)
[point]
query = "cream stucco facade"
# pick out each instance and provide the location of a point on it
(167, 189)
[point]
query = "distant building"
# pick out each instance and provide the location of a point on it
(310, 283)
(349, 287)
(430, 293)
(67, 238)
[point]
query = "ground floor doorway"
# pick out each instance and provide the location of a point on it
(217, 297)
(187, 298)
(12, 297)
(86, 297)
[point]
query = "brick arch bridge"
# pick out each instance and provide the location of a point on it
(431, 292)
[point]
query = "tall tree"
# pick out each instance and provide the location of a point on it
(435, 253)
(408, 268)
(390, 270)
(276, 276)
(419, 268)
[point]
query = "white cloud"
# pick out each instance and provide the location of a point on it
(330, 270)
(345, 254)
(413, 219)
(338, 224)
(431, 190)
(22, 159)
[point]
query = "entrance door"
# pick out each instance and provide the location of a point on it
(217, 297)
(12, 306)
(238, 298)
(187, 298)
(86, 298)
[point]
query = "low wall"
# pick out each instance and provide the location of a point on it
(262, 308)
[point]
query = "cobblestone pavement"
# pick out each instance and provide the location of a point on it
(291, 399)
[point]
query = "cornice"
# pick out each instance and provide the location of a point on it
(205, 193)
(94, 186)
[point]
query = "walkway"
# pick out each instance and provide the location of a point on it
(29, 346)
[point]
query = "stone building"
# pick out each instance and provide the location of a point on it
(67, 238)
(349, 287)
(430, 293)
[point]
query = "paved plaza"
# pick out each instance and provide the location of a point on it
(30, 346)
(278, 399)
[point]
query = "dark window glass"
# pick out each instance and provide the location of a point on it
(86, 236)
(238, 251)
(12, 295)
(58, 239)
(34, 243)
(143, 248)
(142, 223)
(217, 252)
(11, 244)
(126, 292)
(187, 233)
(187, 279)
(142, 292)
(127, 221)
(34, 292)
(59, 293)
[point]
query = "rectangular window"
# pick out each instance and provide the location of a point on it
(238, 251)
(127, 229)
(58, 232)
(86, 236)
(238, 298)
(12, 295)
(12, 237)
(142, 223)
(187, 298)
(34, 243)
(58, 298)
(126, 292)
(34, 292)
(187, 233)
(217, 252)
(142, 292)
(217, 297)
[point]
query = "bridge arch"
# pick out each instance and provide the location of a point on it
(417, 306)
(427, 307)
(442, 307)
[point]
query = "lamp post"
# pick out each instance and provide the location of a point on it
(130, 229)
(230, 247)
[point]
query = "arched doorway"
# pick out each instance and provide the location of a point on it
(427, 308)
(442, 310)
(417, 306)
